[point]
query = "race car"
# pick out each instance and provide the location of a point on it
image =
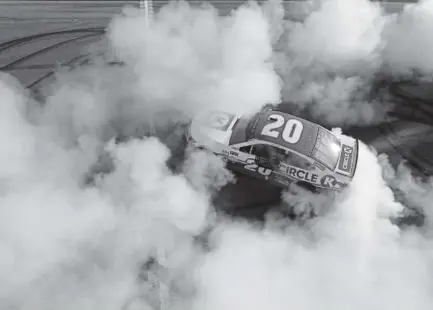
(278, 147)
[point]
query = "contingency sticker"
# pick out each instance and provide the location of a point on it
(346, 158)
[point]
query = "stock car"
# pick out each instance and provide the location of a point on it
(278, 147)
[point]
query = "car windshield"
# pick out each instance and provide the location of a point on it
(327, 148)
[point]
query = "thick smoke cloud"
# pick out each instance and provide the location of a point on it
(66, 244)
(192, 58)
(408, 46)
(330, 58)
(352, 257)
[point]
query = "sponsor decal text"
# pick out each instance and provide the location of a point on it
(302, 175)
(346, 158)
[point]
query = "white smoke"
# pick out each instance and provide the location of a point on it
(409, 47)
(65, 244)
(330, 58)
(192, 59)
(353, 257)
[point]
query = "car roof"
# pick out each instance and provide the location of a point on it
(306, 142)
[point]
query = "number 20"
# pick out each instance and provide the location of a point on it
(292, 129)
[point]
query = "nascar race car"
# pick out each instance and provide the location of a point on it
(276, 146)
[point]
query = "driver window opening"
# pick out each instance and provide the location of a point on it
(272, 156)
(298, 161)
(275, 156)
(245, 149)
(268, 155)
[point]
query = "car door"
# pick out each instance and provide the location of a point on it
(298, 161)
(246, 161)
(300, 169)
(262, 159)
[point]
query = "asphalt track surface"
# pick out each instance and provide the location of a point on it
(36, 37)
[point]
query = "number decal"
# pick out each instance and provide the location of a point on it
(264, 171)
(292, 129)
(252, 166)
(269, 129)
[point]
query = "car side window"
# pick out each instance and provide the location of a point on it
(296, 160)
(276, 155)
(245, 149)
(268, 154)
(264, 150)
